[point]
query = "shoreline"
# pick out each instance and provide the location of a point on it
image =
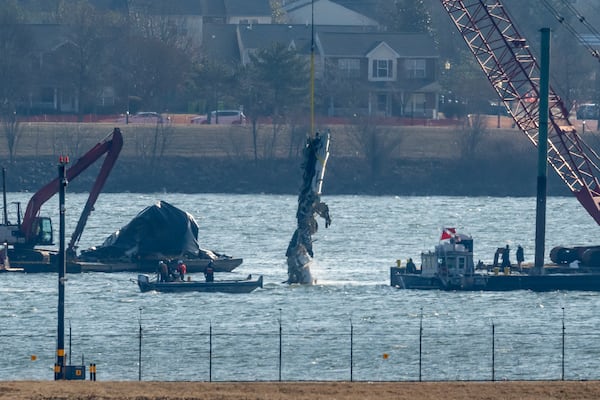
(117, 390)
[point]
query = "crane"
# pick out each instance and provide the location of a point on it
(512, 70)
(34, 230)
(509, 65)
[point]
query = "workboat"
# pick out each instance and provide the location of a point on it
(247, 285)
(450, 266)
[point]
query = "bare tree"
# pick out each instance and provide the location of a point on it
(15, 43)
(286, 78)
(84, 62)
(472, 135)
(10, 124)
(375, 143)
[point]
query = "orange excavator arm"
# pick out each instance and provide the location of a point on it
(111, 145)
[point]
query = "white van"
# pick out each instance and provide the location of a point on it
(235, 117)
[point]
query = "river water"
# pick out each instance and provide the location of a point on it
(351, 325)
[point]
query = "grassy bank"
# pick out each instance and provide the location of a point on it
(396, 160)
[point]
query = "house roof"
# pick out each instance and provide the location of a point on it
(174, 7)
(333, 11)
(347, 44)
(212, 8)
(368, 8)
(264, 35)
(219, 41)
(250, 8)
(47, 37)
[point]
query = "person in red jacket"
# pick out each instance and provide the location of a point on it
(181, 269)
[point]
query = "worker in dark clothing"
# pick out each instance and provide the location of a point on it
(506, 257)
(411, 268)
(520, 257)
(163, 271)
(209, 272)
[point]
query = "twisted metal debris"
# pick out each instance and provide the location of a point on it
(300, 252)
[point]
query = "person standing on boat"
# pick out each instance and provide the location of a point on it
(506, 257)
(181, 270)
(411, 268)
(209, 272)
(163, 271)
(520, 257)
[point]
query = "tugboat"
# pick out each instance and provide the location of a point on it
(450, 266)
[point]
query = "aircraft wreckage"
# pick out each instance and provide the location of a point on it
(300, 252)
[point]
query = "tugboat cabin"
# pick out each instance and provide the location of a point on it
(450, 266)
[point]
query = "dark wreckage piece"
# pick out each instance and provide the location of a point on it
(300, 251)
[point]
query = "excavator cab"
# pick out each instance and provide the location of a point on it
(43, 231)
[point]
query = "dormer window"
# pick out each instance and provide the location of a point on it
(382, 69)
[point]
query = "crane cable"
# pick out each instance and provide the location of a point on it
(565, 23)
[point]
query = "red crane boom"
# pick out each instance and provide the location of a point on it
(513, 72)
(111, 145)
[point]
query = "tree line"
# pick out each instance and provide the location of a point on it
(150, 65)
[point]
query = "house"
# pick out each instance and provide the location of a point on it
(189, 16)
(397, 72)
(329, 12)
(359, 72)
(47, 92)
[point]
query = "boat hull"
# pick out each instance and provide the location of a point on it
(224, 286)
(193, 265)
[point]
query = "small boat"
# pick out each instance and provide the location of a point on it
(450, 266)
(247, 285)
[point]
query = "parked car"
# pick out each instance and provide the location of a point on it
(588, 111)
(143, 117)
(234, 117)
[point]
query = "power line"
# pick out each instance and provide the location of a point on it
(567, 25)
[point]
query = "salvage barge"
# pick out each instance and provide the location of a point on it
(450, 266)
(160, 232)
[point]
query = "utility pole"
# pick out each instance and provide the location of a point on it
(540, 214)
(59, 366)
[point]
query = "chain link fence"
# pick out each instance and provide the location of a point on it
(350, 353)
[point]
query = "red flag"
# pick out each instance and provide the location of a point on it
(448, 233)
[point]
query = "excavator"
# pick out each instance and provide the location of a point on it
(513, 72)
(23, 238)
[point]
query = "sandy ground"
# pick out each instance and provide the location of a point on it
(70, 390)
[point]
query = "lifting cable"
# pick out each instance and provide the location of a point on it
(565, 23)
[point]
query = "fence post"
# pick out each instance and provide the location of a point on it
(140, 348)
(421, 345)
(210, 352)
(280, 345)
(351, 349)
(562, 376)
(493, 352)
